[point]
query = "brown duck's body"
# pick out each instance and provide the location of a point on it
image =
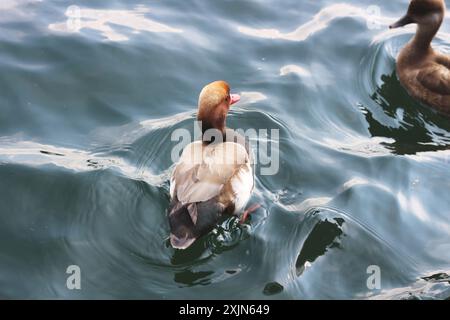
(422, 71)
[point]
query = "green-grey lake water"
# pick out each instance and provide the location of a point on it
(91, 92)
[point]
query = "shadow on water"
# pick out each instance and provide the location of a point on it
(324, 236)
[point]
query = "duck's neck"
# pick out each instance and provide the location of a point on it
(424, 35)
(213, 132)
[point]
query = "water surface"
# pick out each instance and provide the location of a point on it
(88, 106)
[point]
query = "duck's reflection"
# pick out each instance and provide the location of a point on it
(223, 238)
(190, 278)
(196, 252)
(412, 127)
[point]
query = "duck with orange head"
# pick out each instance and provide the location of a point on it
(214, 176)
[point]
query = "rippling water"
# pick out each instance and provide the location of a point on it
(89, 98)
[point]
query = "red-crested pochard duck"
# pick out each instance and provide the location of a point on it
(423, 72)
(214, 176)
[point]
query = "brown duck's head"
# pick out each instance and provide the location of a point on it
(213, 105)
(422, 12)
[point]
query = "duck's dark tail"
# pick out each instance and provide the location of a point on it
(181, 227)
(191, 221)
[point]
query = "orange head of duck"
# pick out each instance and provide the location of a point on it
(213, 105)
(423, 13)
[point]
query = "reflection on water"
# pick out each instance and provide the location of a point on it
(110, 22)
(319, 22)
(431, 287)
(86, 118)
(314, 76)
(410, 126)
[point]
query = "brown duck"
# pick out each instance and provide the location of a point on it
(423, 72)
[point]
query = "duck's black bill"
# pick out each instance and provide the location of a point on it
(402, 22)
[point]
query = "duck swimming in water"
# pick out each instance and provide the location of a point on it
(423, 72)
(214, 176)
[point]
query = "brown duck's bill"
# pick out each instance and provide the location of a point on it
(402, 22)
